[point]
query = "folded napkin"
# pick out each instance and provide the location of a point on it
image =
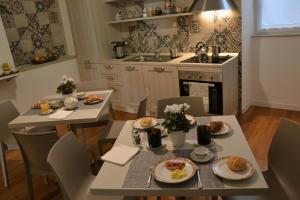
(60, 114)
(120, 155)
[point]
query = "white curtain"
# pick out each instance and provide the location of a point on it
(278, 14)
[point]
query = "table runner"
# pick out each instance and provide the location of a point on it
(138, 172)
(81, 106)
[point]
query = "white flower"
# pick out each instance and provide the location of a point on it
(64, 77)
(70, 80)
(177, 108)
(186, 107)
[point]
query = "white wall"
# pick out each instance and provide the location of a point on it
(277, 72)
(34, 84)
(247, 46)
(5, 55)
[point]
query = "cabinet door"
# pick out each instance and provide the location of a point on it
(133, 87)
(162, 82)
(90, 77)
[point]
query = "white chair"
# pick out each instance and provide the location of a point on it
(35, 145)
(7, 140)
(69, 163)
(283, 174)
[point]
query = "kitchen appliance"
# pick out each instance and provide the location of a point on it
(201, 52)
(149, 58)
(174, 52)
(216, 50)
(196, 59)
(209, 5)
(213, 80)
(119, 49)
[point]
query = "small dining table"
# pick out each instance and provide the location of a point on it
(119, 180)
(82, 114)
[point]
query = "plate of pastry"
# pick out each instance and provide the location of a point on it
(219, 128)
(233, 168)
(144, 123)
(47, 113)
(174, 170)
(93, 99)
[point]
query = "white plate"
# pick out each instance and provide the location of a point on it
(47, 113)
(162, 174)
(191, 118)
(207, 158)
(224, 130)
(137, 123)
(93, 102)
(220, 168)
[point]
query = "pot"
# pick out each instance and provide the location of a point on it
(174, 52)
(177, 138)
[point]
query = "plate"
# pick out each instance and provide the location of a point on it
(191, 118)
(207, 158)
(137, 123)
(224, 130)
(220, 168)
(93, 102)
(162, 174)
(47, 113)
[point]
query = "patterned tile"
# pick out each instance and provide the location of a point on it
(60, 50)
(29, 7)
(20, 20)
(53, 17)
(8, 21)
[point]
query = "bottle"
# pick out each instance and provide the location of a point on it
(145, 14)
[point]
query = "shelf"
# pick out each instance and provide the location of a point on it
(149, 18)
(7, 77)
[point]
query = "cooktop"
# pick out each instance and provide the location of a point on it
(195, 59)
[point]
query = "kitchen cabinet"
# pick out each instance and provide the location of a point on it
(91, 78)
(162, 82)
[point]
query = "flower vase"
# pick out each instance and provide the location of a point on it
(177, 138)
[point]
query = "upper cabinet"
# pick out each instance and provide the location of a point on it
(5, 55)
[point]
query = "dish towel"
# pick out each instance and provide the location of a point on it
(60, 114)
(120, 155)
(200, 90)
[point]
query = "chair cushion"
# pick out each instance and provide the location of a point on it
(275, 191)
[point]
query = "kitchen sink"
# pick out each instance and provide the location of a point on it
(195, 59)
(149, 58)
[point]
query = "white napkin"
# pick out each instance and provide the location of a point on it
(60, 114)
(120, 155)
(201, 90)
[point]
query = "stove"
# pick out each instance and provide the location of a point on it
(195, 59)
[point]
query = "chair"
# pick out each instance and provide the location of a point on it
(196, 103)
(7, 140)
(35, 145)
(113, 129)
(283, 175)
(68, 161)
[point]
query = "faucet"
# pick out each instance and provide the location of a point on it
(156, 50)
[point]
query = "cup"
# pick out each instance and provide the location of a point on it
(45, 107)
(203, 135)
(154, 137)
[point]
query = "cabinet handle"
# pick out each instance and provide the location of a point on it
(109, 67)
(159, 69)
(110, 78)
(130, 68)
(115, 89)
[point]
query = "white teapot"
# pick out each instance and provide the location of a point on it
(71, 102)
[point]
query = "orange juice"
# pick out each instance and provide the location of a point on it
(45, 107)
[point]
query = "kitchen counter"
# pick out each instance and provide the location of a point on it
(174, 62)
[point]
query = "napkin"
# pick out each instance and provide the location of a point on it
(120, 155)
(60, 114)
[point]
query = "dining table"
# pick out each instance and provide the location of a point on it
(131, 179)
(84, 113)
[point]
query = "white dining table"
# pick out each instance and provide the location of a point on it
(84, 113)
(110, 178)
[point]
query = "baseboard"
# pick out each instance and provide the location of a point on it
(246, 107)
(276, 105)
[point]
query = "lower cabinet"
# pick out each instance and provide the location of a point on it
(162, 82)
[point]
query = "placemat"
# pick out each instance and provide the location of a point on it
(139, 170)
(81, 106)
(192, 134)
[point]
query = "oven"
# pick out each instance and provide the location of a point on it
(207, 85)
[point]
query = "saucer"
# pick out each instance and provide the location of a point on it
(207, 158)
(47, 113)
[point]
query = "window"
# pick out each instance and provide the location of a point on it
(279, 16)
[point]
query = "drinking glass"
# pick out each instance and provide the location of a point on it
(154, 137)
(203, 135)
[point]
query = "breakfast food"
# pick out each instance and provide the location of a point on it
(93, 98)
(178, 173)
(146, 122)
(36, 105)
(215, 126)
(174, 165)
(236, 163)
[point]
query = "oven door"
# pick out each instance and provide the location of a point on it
(213, 103)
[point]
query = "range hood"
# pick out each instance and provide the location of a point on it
(210, 5)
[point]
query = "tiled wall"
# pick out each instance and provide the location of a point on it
(33, 27)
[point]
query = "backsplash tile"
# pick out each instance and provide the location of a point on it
(32, 27)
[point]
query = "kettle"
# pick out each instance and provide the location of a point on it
(201, 52)
(119, 49)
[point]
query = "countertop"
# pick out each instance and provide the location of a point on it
(175, 62)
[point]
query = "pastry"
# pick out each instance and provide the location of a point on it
(236, 163)
(215, 126)
(146, 122)
(92, 98)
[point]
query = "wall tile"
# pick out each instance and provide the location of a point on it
(12, 34)
(8, 21)
(43, 18)
(29, 7)
(20, 20)
(26, 45)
